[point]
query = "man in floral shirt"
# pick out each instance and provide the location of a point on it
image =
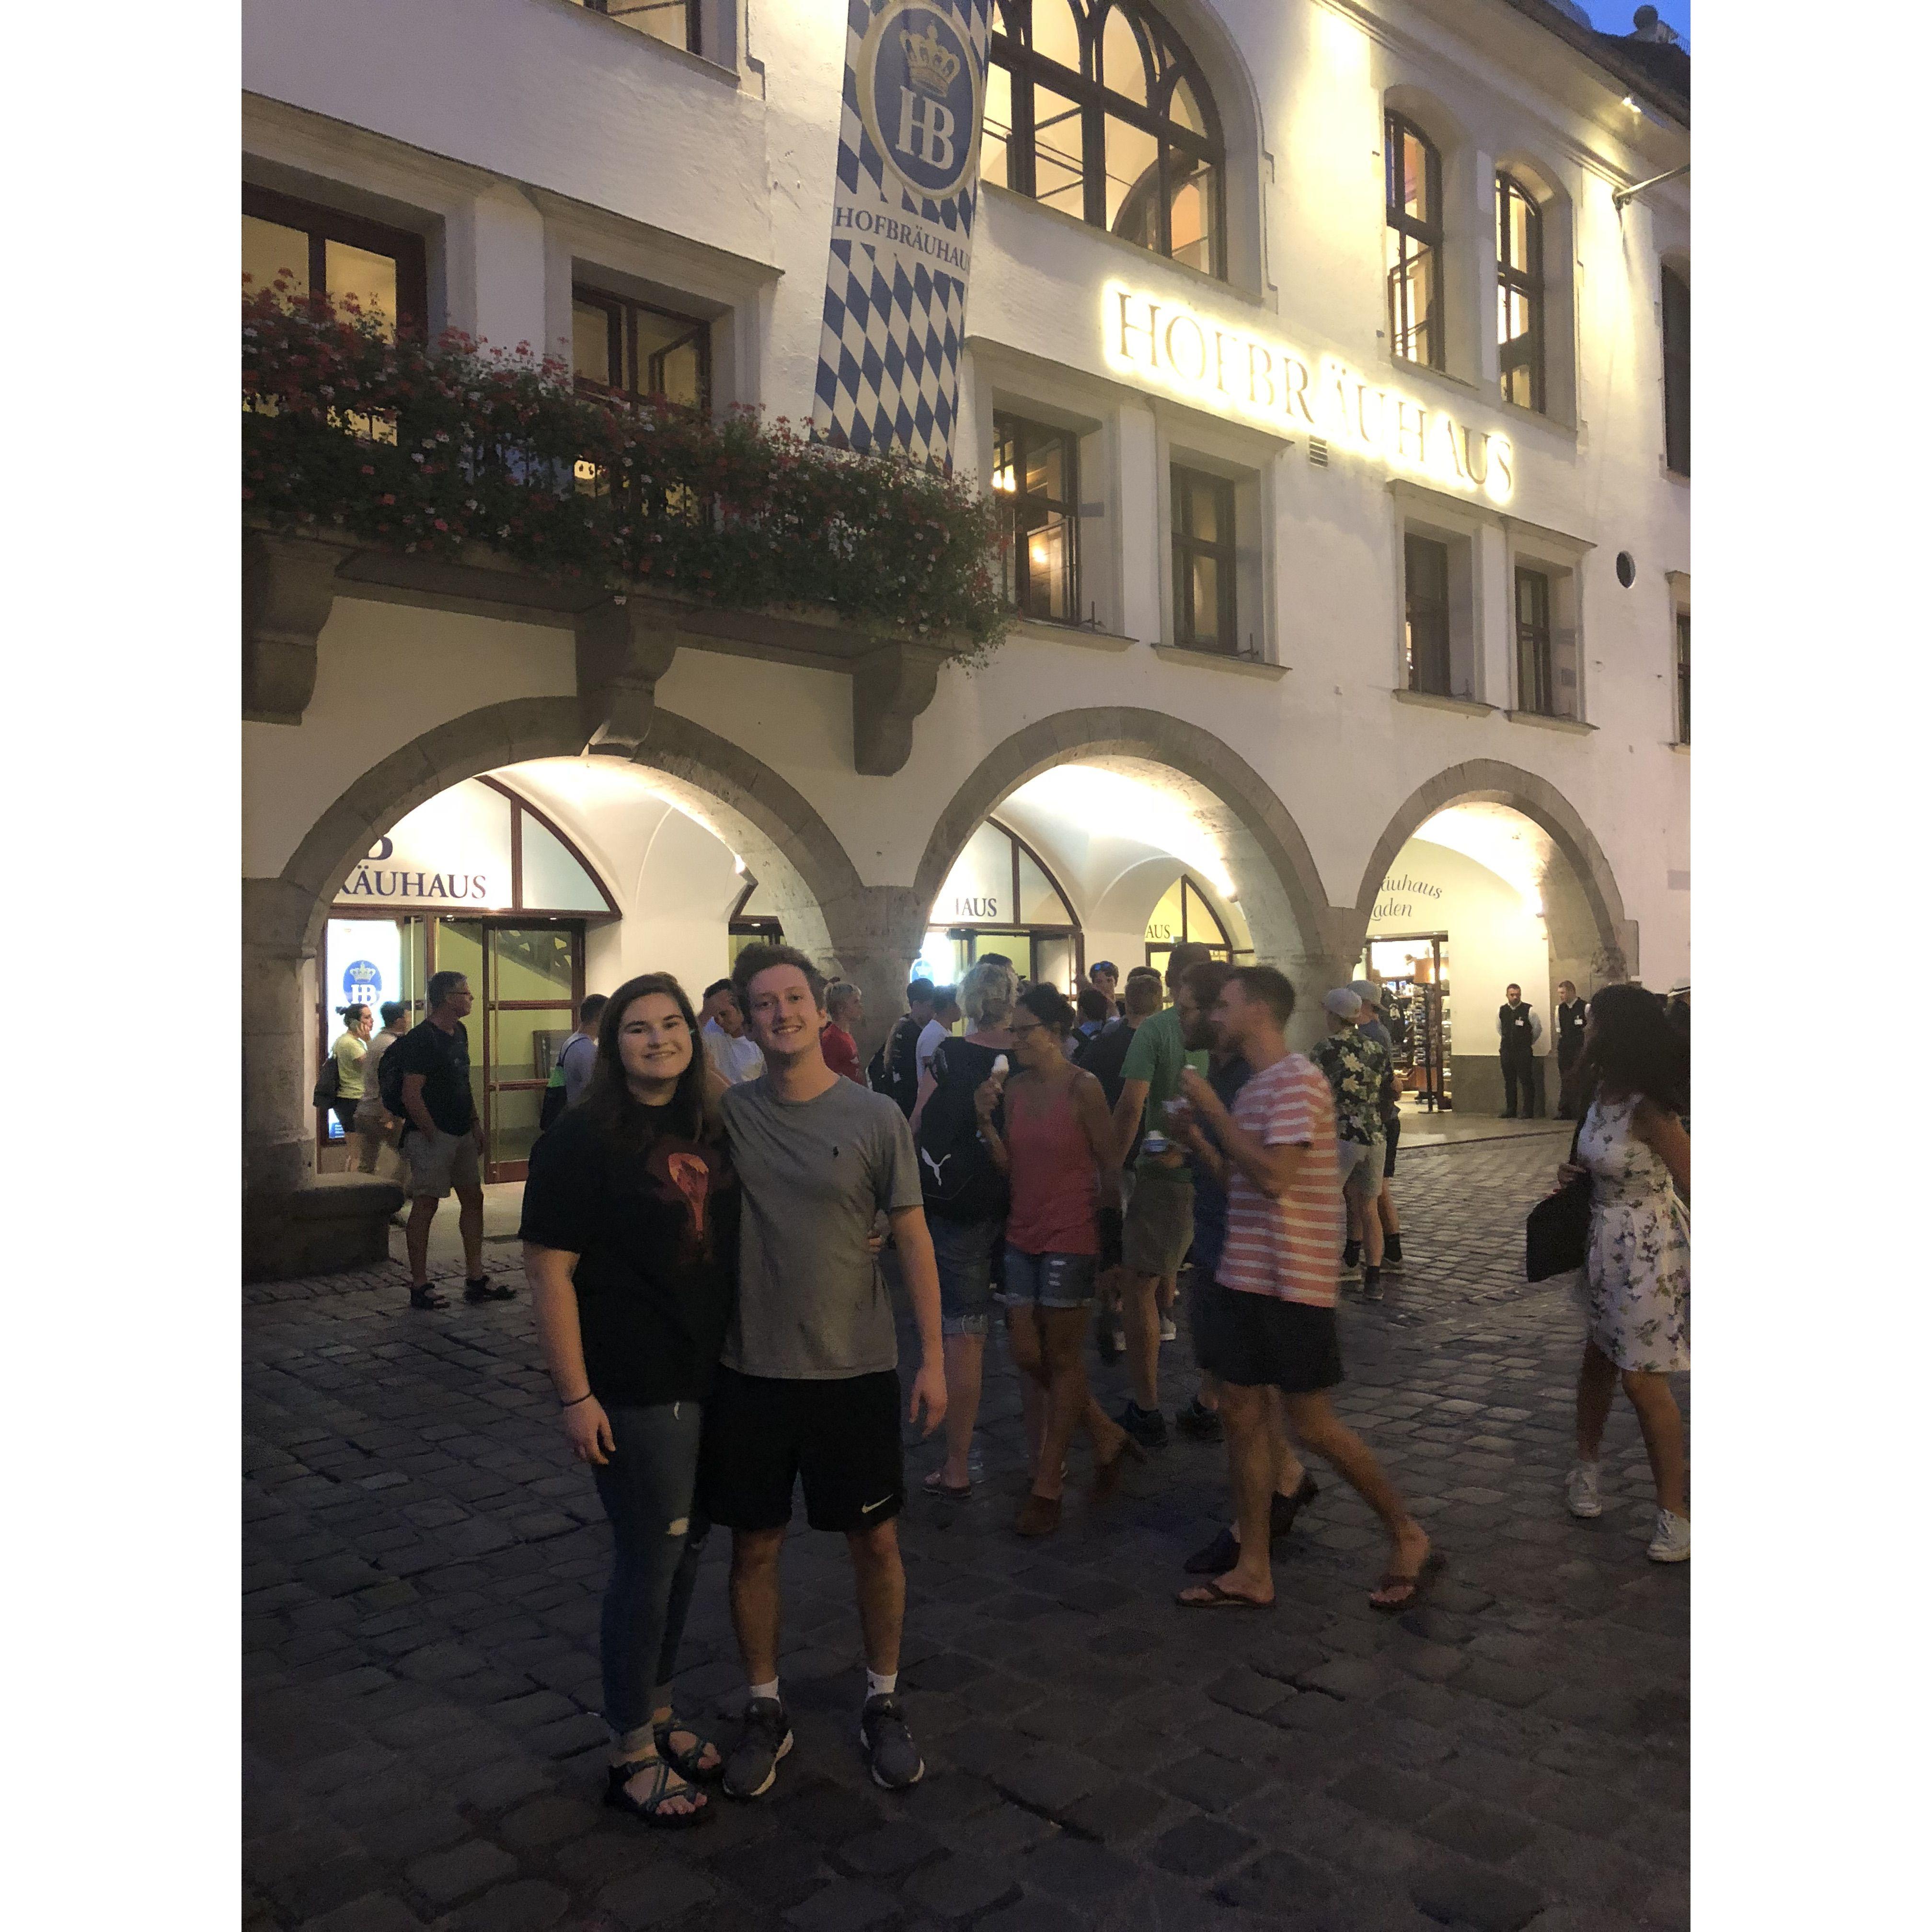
(1357, 1065)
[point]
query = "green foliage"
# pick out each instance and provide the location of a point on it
(429, 447)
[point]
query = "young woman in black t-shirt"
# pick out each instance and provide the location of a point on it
(629, 1235)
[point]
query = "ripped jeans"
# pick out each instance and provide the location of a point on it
(647, 1490)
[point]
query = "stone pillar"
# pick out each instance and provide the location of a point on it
(293, 1222)
(875, 934)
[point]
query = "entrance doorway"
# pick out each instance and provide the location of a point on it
(528, 979)
(1416, 970)
(1001, 897)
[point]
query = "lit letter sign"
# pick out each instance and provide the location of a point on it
(1236, 372)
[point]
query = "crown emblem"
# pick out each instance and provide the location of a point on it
(933, 68)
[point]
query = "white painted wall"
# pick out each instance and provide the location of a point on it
(543, 135)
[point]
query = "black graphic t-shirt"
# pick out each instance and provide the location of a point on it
(655, 1232)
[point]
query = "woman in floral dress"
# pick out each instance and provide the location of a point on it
(1637, 1069)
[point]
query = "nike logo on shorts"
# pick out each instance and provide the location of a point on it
(866, 1509)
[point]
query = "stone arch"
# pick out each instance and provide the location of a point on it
(290, 1222)
(1288, 913)
(781, 837)
(1588, 897)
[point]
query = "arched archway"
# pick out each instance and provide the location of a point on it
(1280, 891)
(290, 1222)
(1489, 781)
(1487, 874)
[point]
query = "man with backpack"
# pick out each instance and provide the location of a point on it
(965, 1204)
(425, 1080)
(895, 1069)
(1104, 1057)
(576, 1061)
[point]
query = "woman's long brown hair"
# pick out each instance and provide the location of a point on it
(610, 1101)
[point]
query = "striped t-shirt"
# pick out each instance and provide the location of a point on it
(1291, 1249)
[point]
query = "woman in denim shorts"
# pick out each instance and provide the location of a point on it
(1057, 1152)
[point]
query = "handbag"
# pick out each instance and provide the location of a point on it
(1556, 1236)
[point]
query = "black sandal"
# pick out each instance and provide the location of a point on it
(426, 1297)
(689, 1765)
(650, 1810)
(484, 1289)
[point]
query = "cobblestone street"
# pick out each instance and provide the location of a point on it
(423, 1566)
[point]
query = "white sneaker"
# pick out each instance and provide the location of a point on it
(1168, 1333)
(1670, 1543)
(1579, 1490)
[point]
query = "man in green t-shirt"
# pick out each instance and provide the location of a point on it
(1159, 1222)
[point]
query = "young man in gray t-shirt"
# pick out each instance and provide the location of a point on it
(808, 1384)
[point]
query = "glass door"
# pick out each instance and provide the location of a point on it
(531, 990)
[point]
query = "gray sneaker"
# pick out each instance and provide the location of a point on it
(753, 1766)
(888, 1745)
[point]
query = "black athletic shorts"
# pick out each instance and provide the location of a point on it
(1392, 1133)
(761, 1436)
(1256, 1340)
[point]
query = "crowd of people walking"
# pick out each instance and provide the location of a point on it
(706, 1209)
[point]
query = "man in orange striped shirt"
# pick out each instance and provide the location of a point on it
(1267, 1320)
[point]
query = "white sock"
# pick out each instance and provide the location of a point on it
(770, 1690)
(877, 1686)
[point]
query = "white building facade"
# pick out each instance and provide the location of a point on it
(1335, 389)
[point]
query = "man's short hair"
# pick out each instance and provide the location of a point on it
(1143, 994)
(1513, 987)
(392, 1011)
(442, 984)
(1266, 983)
(1560, 985)
(718, 986)
(944, 997)
(918, 992)
(1207, 982)
(1093, 1004)
(593, 1005)
(1188, 952)
(758, 957)
(839, 996)
(1103, 966)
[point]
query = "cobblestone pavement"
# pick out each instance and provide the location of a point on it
(422, 1570)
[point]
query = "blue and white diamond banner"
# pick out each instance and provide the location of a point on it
(902, 225)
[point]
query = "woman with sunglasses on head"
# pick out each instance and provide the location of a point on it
(1057, 1151)
(629, 1241)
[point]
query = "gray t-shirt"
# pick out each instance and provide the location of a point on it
(578, 1059)
(812, 1305)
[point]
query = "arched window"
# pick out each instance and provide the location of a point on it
(1519, 293)
(1095, 108)
(1000, 897)
(1186, 914)
(1414, 171)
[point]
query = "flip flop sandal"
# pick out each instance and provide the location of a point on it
(689, 1763)
(650, 1809)
(1219, 1599)
(1419, 1585)
(936, 1485)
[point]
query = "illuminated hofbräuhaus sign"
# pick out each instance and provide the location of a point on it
(1236, 372)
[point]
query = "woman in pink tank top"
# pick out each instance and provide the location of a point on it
(1057, 1152)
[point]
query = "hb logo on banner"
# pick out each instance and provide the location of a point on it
(902, 225)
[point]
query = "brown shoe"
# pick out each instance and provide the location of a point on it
(1040, 1516)
(1107, 1475)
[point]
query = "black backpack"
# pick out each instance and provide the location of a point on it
(329, 1082)
(895, 1069)
(389, 1078)
(956, 1173)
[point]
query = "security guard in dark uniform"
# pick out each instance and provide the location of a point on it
(1516, 1031)
(1573, 1016)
